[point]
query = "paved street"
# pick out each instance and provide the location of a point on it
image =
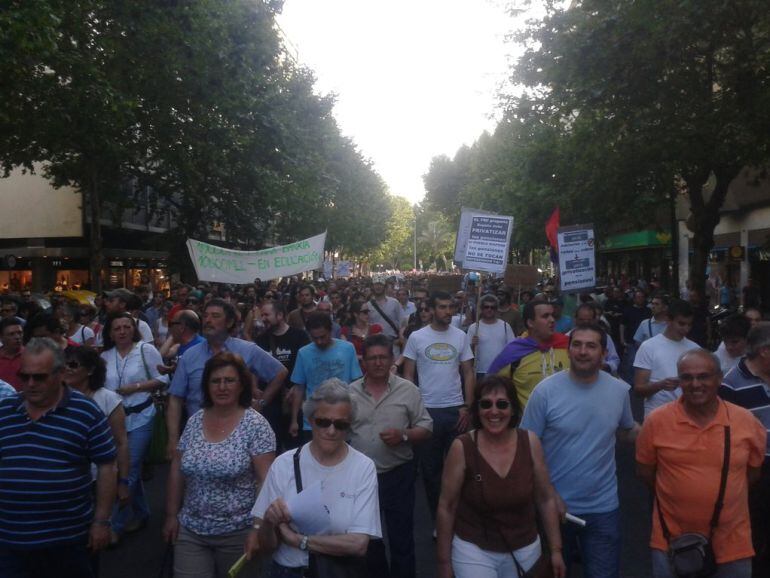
(140, 554)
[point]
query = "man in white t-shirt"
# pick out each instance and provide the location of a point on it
(655, 371)
(489, 336)
(437, 353)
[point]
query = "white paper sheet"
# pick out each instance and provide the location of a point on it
(309, 512)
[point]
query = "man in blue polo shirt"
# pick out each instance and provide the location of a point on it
(748, 385)
(219, 318)
(49, 436)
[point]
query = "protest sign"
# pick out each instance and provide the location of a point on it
(577, 258)
(525, 276)
(463, 230)
(343, 269)
(328, 270)
(487, 245)
(220, 265)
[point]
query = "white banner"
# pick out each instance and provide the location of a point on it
(487, 247)
(220, 265)
(577, 258)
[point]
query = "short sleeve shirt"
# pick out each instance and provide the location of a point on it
(349, 490)
(437, 356)
(220, 483)
(688, 461)
(577, 424)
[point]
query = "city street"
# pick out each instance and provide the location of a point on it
(141, 554)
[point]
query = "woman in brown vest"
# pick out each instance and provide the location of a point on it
(495, 480)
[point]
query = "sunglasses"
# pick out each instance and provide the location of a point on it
(191, 301)
(73, 365)
(36, 377)
(339, 424)
(499, 403)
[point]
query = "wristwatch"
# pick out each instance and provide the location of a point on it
(404, 437)
(303, 543)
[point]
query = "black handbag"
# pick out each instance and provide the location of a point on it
(324, 565)
(691, 554)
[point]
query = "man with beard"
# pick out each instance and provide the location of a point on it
(577, 415)
(283, 342)
(385, 311)
(305, 306)
(219, 317)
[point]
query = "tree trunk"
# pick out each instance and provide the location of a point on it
(96, 245)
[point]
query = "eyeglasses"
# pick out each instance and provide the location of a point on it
(36, 377)
(339, 424)
(73, 365)
(498, 403)
(488, 307)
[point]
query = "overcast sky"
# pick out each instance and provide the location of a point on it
(414, 79)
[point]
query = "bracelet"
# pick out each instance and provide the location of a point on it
(138, 386)
(256, 526)
(101, 523)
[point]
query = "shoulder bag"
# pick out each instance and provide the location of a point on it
(385, 317)
(542, 568)
(691, 554)
(324, 565)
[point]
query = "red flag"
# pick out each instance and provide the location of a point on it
(551, 227)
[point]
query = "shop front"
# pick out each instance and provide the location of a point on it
(637, 255)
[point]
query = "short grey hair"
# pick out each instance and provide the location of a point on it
(702, 353)
(758, 338)
(38, 345)
(331, 391)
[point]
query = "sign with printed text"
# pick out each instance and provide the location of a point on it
(488, 240)
(463, 232)
(577, 258)
(220, 265)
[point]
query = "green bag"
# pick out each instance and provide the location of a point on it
(156, 453)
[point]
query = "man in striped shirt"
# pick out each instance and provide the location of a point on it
(49, 436)
(748, 385)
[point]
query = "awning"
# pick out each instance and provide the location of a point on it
(649, 239)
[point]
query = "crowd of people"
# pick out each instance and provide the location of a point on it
(297, 419)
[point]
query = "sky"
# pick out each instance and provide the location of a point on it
(413, 79)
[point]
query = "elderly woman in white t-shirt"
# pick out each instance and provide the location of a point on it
(132, 373)
(348, 492)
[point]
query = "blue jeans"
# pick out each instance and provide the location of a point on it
(138, 444)
(396, 492)
(599, 544)
(70, 561)
(432, 452)
(735, 569)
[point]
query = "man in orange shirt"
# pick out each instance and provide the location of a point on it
(680, 453)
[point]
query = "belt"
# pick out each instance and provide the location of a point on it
(138, 407)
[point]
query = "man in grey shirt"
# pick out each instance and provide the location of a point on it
(385, 311)
(390, 416)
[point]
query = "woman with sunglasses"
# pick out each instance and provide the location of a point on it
(86, 372)
(348, 493)
(359, 328)
(222, 458)
(495, 482)
(132, 373)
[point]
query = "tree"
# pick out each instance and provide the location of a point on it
(397, 247)
(651, 95)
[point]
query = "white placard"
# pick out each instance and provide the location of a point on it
(577, 258)
(488, 239)
(463, 230)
